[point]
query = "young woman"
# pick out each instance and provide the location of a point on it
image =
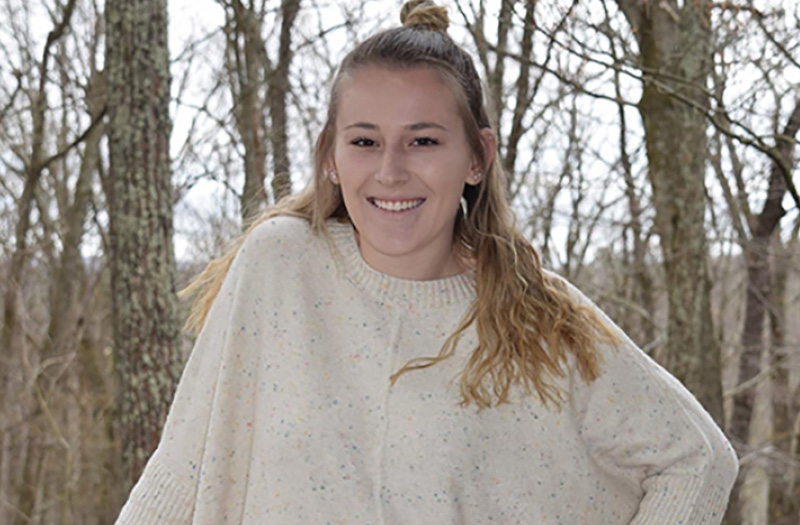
(385, 347)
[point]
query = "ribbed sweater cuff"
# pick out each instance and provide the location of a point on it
(158, 497)
(670, 501)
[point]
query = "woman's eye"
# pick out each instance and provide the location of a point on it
(363, 142)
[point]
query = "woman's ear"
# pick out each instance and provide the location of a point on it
(329, 169)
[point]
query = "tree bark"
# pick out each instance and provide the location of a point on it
(139, 193)
(675, 54)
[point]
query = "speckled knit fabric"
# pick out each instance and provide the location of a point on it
(284, 414)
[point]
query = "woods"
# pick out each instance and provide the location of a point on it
(651, 153)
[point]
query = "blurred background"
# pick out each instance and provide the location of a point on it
(651, 153)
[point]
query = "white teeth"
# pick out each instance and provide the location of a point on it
(397, 205)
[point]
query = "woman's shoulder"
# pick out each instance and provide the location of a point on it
(279, 242)
(279, 235)
(282, 228)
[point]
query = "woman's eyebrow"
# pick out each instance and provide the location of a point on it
(425, 125)
(413, 127)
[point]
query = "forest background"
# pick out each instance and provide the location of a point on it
(650, 147)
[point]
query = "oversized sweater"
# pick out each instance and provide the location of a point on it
(285, 413)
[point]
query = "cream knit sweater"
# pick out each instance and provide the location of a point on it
(284, 414)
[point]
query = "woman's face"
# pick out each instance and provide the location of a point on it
(402, 159)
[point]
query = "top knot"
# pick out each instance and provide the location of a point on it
(424, 14)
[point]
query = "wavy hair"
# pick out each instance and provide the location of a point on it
(527, 322)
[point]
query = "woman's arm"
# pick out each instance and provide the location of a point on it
(166, 490)
(642, 425)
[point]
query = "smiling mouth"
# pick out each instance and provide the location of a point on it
(396, 205)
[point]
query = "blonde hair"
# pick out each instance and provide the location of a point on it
(526, 320)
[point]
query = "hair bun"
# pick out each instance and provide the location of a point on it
(424, 14)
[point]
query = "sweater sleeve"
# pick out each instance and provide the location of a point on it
(166, 490)
(642, 426)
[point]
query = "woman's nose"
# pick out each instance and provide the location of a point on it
(393, 167)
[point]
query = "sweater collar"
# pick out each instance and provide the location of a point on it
(436, 293)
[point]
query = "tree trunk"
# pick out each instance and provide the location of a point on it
(782, 505)
(139, 191)
(643, 285)
(246, 73)
(522, 89)
(676, 56)
(759, 291)
(278, 95)
(495, 76)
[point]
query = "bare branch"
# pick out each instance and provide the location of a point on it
(80, 138)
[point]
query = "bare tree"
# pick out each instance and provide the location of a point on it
(245, 65)
(758, 254)
(140, 201)
(249, 68)
(278, 94)
(758, 235)
(21, 456)
(784, 503)
(675, 57)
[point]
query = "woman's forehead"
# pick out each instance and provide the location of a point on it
(408, 96)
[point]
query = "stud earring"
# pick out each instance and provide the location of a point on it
(477, 176)
(332, 175)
